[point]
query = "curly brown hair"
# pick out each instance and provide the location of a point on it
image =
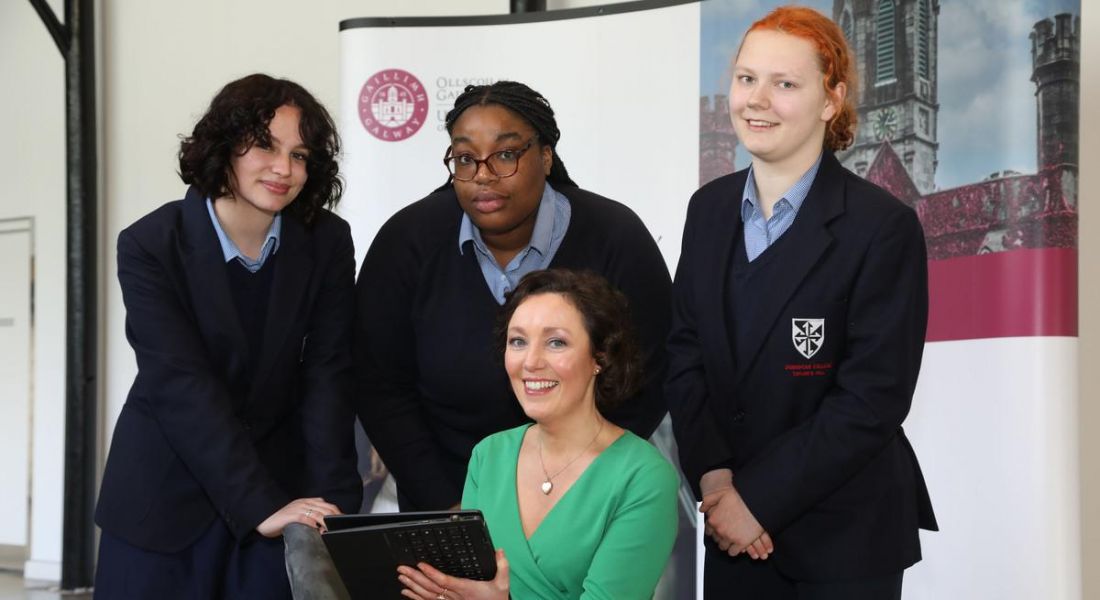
(605, 313)
(239, 117)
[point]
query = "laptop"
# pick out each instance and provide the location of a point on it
(366, 549)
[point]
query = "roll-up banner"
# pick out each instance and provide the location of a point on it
(982, 144)
(968, 112)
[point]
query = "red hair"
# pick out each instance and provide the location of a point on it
(833, 56)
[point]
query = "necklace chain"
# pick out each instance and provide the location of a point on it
(548, 484)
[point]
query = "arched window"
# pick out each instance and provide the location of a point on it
(846, 26)
(884, 42)
(924, 45)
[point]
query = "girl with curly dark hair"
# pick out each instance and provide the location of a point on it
(239, 120)
(239, 302)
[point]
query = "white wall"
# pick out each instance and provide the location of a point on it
(33, 159)
(154, 87)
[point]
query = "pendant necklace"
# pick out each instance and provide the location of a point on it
(548, 484)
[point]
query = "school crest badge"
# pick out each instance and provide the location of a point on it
(808, 335)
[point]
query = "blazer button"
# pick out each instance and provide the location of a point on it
(738, 416)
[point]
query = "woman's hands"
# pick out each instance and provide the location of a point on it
(311, 511)
(428, 583)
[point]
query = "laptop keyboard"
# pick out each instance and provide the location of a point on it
(449, 548)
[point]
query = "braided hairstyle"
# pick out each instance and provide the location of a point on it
(530, 105)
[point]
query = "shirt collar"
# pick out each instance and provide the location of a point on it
(794, 196)
(230, 249)
(540, 237)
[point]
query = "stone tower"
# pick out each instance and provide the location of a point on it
(895, 46)
(1056, 64)
(717, 140)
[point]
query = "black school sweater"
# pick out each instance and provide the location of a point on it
(431, 384)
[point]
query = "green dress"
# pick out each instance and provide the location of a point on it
(609, 536)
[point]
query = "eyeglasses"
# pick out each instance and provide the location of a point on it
(503, 163)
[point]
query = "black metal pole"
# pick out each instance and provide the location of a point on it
(76, 41)
(523, 6)
(57, 31)
(78, 542)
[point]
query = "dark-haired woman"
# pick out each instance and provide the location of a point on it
(239, 303)
(579, 507)
(800, 307)
(437, 272)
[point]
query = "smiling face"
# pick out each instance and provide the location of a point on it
(500, 205)
(778, 102)
(269, 177)
(549, 359)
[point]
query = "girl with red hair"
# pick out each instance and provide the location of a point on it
(799, 311)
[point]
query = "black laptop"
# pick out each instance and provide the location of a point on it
(367, 549)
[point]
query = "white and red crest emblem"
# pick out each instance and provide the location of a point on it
(393, 105)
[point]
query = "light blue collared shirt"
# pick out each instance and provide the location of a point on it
(551, 223)
(761, 233)
(231, 251)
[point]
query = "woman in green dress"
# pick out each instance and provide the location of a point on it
(580, 507)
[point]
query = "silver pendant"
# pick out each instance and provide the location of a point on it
(546, 487)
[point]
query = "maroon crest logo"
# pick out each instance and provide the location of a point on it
(393, 105)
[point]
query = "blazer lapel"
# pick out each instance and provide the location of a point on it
(208, 284)
(728, 220)
(293, 271)
(811, 238)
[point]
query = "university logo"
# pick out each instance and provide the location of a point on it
(393, 105)
(808, 335)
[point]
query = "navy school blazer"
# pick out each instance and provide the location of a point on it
(189, 446)
(815, 443)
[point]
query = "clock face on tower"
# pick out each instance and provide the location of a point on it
(884, 123)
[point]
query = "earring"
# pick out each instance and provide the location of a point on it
(596, 371)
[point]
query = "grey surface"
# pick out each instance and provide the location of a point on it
(14, 587)
(309, 566)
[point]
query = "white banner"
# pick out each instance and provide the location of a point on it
(994, 424)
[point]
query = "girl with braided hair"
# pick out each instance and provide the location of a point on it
(431, 385)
